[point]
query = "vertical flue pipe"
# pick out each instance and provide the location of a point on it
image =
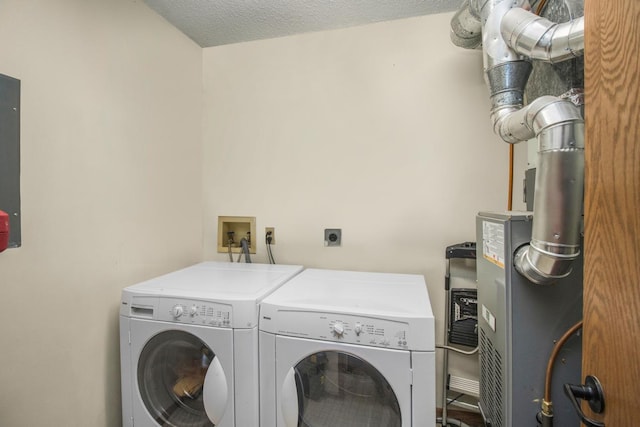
(555, 237)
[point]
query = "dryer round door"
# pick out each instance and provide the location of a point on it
(175, 370)
(321, 384)
(336, 387)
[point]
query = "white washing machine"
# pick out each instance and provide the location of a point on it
(189, 345)
(348, 349)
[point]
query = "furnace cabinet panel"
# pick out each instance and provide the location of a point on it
(10, 155)
(519, 323)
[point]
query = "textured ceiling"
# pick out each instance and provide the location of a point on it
(218, 22)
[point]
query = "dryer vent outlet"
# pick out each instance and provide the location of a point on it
(332, 236)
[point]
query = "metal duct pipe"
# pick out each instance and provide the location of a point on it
(495, 50)
(466, 29)
(506, 82)
(559, 128)
(538, 38)
(555, 238)
(509, 32)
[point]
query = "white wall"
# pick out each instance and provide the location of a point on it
(111, 194)
(380, 130)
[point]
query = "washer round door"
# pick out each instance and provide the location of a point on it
(175, 370)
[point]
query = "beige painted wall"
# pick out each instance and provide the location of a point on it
(111, 194)
(380, 130)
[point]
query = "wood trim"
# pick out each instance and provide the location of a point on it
(611, 345)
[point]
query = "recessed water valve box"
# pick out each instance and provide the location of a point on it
(231, 231)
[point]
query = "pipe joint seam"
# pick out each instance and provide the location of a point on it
(538, 38)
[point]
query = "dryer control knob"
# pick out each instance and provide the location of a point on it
(358, 328)
(193, 310)
(177, 311)
(338, 329)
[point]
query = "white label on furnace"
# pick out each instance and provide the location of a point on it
(489, 318)
(493, 243)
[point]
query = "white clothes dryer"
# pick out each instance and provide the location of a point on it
(189, 345)
(354, 349)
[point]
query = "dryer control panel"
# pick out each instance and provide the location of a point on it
(183, 310)
(353, 329)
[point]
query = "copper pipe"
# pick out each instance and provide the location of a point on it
(510, 198)
(541, 6)
(554, 355)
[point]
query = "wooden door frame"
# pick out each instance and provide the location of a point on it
(611, 344)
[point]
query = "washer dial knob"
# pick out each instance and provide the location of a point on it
(177, 311)
(338, 329)
(193, 310)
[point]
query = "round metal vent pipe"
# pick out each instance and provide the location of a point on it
(540, 39)
(466, 30)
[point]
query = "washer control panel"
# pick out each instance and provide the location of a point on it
(351, 329)
(184, 310)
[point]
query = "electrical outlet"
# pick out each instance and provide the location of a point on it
(332, 236)
(232, 229)
(271, 230)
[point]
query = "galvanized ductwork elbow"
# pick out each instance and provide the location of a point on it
(466, 29)
(540, 39)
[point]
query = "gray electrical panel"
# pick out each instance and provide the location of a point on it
(10, 155)
(518, 324)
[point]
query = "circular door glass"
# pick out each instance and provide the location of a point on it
(171, 373)
(340, 389)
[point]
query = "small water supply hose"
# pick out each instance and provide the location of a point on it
(244, 243)
(229, 243)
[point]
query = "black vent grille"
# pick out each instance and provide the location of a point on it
(464, 317)
(491, 385)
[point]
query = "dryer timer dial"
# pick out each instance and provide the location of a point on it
(177, 311)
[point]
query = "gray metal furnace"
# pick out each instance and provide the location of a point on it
(518, 324)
